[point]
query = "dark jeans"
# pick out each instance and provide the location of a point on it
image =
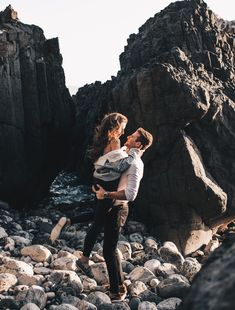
(111, 219)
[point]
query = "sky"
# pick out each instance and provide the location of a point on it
(92, 33)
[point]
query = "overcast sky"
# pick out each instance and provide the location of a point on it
(93, 33)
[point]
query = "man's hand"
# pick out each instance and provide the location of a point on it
(99, 192)
(120, 195)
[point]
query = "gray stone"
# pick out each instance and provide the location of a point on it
(125, 249)
(169, 304)
(7, 280)
(64, 263)
(174, 286)
(154, 283)
(63, 307)
(89, 284)
(20, 241)
(127, 266)
(117, 305)
(9, 244)
(68, 278)
(36, 295)
(141, 274)
(136, 288)
(30, 306)
(136, 237)
(170, 254)
(150, 243)
(3, 233)
(165, 270)
(85, 305)
(150, 296)
(99, 270)
(16, 267)
(190, 268)
(152, 264)
(98, 298)
(135, 246)
(146, 305)
(37, 252)
(134, 303)
(30, 280)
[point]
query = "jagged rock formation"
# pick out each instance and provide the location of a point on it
(35, 110)
(177, 81)
(213, 286)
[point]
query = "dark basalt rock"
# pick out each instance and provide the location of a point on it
(177, 81)
(213, 286)
(36, 110)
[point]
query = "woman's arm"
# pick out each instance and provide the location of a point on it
(121, 164)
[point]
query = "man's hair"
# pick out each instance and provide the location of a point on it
(145, 138)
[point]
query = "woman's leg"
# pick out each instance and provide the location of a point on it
(94, 230)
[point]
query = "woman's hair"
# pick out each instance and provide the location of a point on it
(110, 122)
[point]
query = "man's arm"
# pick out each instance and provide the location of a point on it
(133, 181)
(101, 194)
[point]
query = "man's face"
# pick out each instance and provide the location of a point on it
(131, 141)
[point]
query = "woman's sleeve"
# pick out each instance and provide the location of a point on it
(121, 164)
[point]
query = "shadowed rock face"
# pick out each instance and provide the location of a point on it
(213, 286)
(177, 81)
(35, 110)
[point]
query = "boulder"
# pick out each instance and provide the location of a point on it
(141, 274)
(213, 286)
(30, 306)
(38, 253)
(7, 280)
(16, 267)
(98, 298)
(170, 254)
(169, 304)
(136, 288)
(99, 270)
(174, 286)
(190, 268)
(146, 305)
(67, 278)
(36, 295)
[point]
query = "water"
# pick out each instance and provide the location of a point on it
(67, 189)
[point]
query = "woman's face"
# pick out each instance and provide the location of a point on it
(119, 131)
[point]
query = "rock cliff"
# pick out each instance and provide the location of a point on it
(177, 81)
(213, 286)
(36, 110)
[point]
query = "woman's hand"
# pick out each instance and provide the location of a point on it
(99, 192)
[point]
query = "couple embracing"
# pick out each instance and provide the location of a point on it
(116, 181)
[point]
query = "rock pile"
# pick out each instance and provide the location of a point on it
(35, 274)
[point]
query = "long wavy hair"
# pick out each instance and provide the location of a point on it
(110, 122)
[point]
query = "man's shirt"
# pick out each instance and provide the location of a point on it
(130, 180)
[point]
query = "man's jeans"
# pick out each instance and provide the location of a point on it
(111, 219)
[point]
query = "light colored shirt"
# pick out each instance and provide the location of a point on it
(110, 166)
(130, 180)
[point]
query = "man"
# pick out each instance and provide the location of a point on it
(113, 220)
